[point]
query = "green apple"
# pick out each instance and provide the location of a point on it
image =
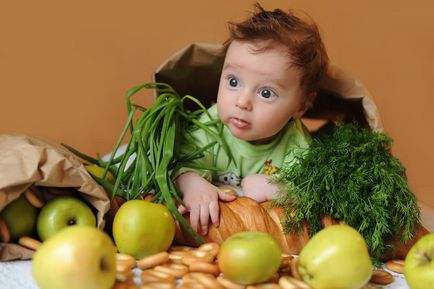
(76, 257)
(249, 257)
(419, 263)
(20, 217)
(142, 228)
(336, 258)
(62, 212)
(98, 172)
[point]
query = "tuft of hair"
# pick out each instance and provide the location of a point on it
(301, 38)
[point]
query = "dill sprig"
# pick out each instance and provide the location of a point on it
(350, 174)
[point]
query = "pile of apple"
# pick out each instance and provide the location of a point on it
(22, 218)
(75, 254)
(84, 257)
(335, 258)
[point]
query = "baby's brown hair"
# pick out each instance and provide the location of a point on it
(302, 39)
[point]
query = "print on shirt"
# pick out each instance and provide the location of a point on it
(229, 179)
(269, 169)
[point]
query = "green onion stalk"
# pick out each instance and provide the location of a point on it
(151, 156)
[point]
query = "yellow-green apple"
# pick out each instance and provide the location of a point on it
(419, 263)
(98, 172)
(62, 212)
(249, 257)
(336, 258)
(141, 228)
(76, 257)
(20, 217)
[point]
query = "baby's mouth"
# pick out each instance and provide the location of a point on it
(239, 123)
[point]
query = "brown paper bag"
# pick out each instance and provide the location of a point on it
(195, 70)
(52, 170)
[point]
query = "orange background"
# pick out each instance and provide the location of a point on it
(65, 65)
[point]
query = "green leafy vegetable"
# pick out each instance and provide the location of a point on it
(350, 174)
(151, 157)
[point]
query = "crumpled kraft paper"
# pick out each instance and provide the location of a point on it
(27, 161)
(195, 70)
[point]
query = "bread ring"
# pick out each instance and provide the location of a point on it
(379, 276)
(33, 199)
(124, 262)
(209, 281)
(225, 282)
(124, 257)
(132, 285)
(153, 260)
(128, 284)
(191, 285)
(159, 285)
(29, 243)
(287, 282)
(204, 267)
(396, 265)
(5, 235)
(188, 277)
(294, 269)
(264, 286)
(212, 248)
(124, 276)
(176, 270)
(152, 275)
(180, 249)
(122, 267)
(176, 257)
(192, 276)
(195, 256)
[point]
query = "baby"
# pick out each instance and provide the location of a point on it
(273, 64)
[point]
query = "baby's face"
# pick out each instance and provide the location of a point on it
(258, 92)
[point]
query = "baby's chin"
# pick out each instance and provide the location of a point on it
(240, 134)
(253, 139)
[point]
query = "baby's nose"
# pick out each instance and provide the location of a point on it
(244, 101)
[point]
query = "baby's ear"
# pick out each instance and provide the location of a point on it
(306, 104)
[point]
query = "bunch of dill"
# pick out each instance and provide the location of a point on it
(350, 174)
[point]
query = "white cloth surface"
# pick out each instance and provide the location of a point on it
(18, 275)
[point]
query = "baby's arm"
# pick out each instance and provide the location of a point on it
(257, 187)
(201, 199)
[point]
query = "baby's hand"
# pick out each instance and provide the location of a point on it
(258, 187)
(201, 200)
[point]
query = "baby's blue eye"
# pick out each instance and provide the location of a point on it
(233, 82)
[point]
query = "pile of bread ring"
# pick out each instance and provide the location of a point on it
(187, 267)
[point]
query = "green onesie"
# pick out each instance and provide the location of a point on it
(248, 158)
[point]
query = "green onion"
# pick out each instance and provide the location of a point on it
(155, 138)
